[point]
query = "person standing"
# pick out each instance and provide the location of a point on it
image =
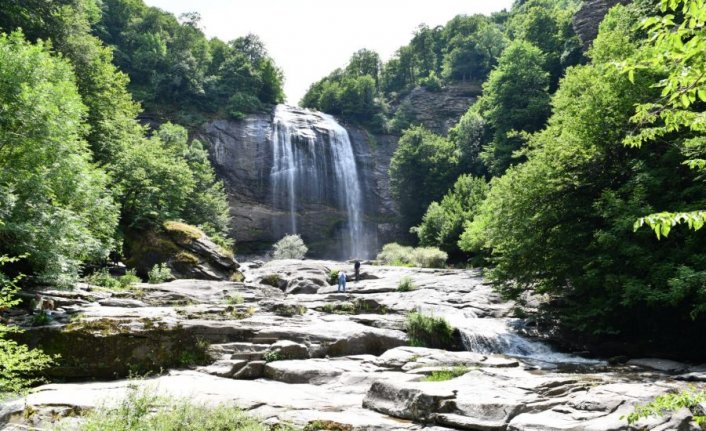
(341, 281)
(356, 267)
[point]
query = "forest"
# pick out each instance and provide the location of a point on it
(576, 176)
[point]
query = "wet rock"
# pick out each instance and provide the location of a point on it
(663, 365)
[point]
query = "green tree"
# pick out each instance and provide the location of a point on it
(676, 46)
(422, 169)
(444, 221)
(55, 206)
(515, 99)
(561, 224)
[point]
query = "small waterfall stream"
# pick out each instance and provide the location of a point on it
(314, 164)
(496, 336)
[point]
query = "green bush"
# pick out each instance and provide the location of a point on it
(429, 331)
(446, 374)
(664, 404)
(273, 356)
(406, 285)
(400, 255)
(41, 318)
(160, 273)
(20, 365)
(235, 299)
(103, 278)
(333, 277)
(143, 410)
(290, 247)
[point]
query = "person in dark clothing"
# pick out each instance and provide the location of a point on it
(356, 266)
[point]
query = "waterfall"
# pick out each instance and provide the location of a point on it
(314, 166)
(495, 336)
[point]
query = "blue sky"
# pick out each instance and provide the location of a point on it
(309, 38)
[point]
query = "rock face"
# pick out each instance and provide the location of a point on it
(440, 110)
(589, 17)
(332, 357)
(258, 172)
(186, 250)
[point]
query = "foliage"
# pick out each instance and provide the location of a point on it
(41, 318)
(469, 135)
(53, 200)
(175, 70)
(290, 247)
(159, 274)
(443, 222)
(406, 285)
(515, 99)
(424, 257)
(446, 374)
(333, 277)
(422, 169)
(272, 356)
(677, 41)
(142, 409)
(235, 299)
(562, 223)
(664, 404)
(103, 278)
(20, 364)
(429, 331)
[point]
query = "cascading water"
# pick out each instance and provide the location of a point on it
(495, 336)
(314, 164)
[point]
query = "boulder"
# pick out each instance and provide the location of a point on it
(186, 250)
(286, 349)
(663, 365)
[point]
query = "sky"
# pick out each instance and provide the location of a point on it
(310, 38)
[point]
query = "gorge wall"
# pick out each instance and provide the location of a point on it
(256, 156)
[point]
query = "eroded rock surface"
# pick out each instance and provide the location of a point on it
(329, 356)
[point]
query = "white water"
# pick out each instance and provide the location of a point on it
(314, 163)
(495, 336)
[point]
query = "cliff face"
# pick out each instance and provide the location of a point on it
(589, 17)
(243, 154)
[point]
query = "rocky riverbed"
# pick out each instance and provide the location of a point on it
(285, 345)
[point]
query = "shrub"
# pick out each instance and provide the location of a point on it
(160, 273)
(406, 285)
(20, 365)
(446, 374)
(333, 277)
(663, 404)
(235, 299)
(429, 257)
(143, 410)
(41, 318)
(273, 356)
(400, 255)
(429, 331)
(103, 278)
(290, 247)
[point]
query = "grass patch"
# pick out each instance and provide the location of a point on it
(406, 285)
(429, 331)
(273, 356)
(235, 299)
(446, 374)
(143, 410)
(182, 231)
(319, 425)
(289, 310)
(359, 306)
